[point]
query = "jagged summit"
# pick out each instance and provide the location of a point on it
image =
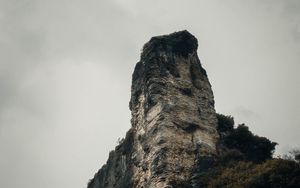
(180, 43)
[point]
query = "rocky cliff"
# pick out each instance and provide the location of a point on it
(173, 119)
(177, 140)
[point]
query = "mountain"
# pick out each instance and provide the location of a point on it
(177, 139)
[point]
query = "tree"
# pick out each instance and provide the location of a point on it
(255, 148)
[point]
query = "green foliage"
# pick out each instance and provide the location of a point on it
(255, 148)
(225, 123)
(230, 157)
(273, 173)
(245, 160)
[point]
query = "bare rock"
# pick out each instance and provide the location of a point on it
(173, 119)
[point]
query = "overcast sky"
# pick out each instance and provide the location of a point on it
(66, 65)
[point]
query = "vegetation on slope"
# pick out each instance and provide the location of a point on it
(246, 161)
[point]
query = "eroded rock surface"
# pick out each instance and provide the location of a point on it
(173, 119)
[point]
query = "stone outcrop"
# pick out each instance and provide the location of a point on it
(173, 120)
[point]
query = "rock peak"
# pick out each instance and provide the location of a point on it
(180, 43)
(176, 139)
(173, 119)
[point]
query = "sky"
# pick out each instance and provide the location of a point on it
(66, 67)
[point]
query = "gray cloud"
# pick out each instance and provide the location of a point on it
(65, 73)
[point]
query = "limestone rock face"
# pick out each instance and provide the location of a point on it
(173, 120)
